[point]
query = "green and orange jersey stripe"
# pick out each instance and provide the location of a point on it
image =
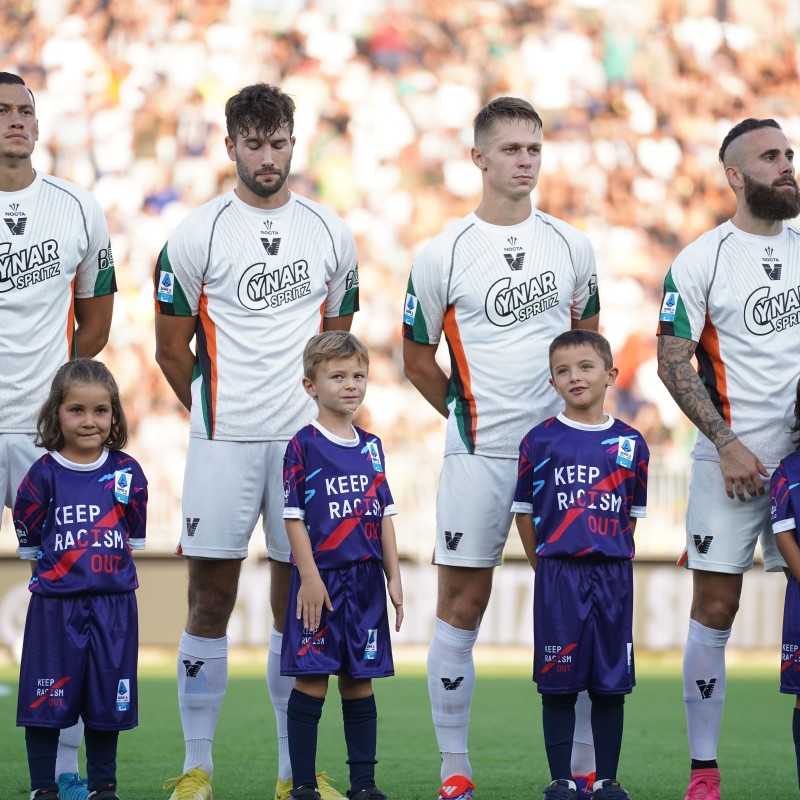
(466, 411)
(207, 365)
(712, 370)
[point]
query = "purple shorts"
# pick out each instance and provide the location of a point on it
(790, 641)
(583, 626)
(79, 658)
(353, 639)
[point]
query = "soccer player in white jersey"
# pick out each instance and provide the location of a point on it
(500, 284)
(251, 276)
(732, 300)
(56, 298)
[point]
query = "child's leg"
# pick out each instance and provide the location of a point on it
(558, 724)
(68, 743)
(101, 759)
(360, 730)
(607, 716)
(303, 714)
(42, 746)
(796, 735)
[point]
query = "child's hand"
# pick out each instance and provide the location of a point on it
(396, 596)
(311, 597)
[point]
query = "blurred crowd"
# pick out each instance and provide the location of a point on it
(636, 96)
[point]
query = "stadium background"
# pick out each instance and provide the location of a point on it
(636, 96)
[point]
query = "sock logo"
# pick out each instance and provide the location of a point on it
(702, 545)
(192, 669)
(191, 525)
(452, 539)
(449, 791)
(451, 685)
(706, 689)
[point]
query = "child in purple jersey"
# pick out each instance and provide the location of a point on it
(79, 512)
(785, 513)
(582, 484)
(338, 510)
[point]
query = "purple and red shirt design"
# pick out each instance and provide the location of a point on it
(784, 494)
(340, 490)
(80, 522)
(582, 484)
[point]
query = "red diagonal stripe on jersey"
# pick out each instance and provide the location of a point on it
(610, 482)
(63, 566)
(792, 660)
(314, 639)
(570, 517)
(57, 685)
(345, 527)
(110, 519)
(566, 651)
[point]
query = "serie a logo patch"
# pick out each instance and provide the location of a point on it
(371, 650)
(625, 452)
(124, 694)
(122, 486)
(166, 288)
(669, 306)
(375, 455)
(410, 310)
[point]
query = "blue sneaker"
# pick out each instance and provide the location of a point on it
(72, 787)
(584, 785)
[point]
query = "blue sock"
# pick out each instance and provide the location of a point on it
(361, 735)
(42, 747)
(101, 759)
(796, 737)
(558, 724)
(302, 716)
(608, 712)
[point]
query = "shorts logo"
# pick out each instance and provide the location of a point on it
(630, 655)
(191, 525)
(166, 288)
(410, 310)
(271, 246)
(16, 226)
(452, 539)
(374, 454)
(192, 669)
(124, 695)
(625, 452)
(122, 486)
(50, 691)
(669, 306)
(451, 685)
(371, 650)
(702, 545)
(706, 689)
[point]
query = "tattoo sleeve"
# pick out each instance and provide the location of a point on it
(679, 376)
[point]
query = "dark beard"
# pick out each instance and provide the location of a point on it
(261, 189)
(770, 203)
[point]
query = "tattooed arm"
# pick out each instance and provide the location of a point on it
(740, 468)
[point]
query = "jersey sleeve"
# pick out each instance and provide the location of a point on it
(685, 298)
(136, 510)
(426, 299)
(342, 297)
(178, 274)
(294, 481)
(30, 512)
(523, 494)
(782, 513)
(586, 296)
(95, 276)
(639, 501)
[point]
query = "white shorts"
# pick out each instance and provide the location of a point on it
(473, 510)
(225, 487)
(17, 454)
(721, 533)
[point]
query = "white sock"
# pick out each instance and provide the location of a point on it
(280, 687)
(69, 740)
(202, 679)
(704, 688)
(583, 741)
(451, 682)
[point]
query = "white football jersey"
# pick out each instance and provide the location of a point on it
(738, 296)
(54, 247)
(259, 283)
(500, 294)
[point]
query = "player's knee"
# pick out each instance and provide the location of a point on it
(716, 612)
(561, 702)
(210, 611)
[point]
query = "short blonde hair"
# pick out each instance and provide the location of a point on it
(329, 346)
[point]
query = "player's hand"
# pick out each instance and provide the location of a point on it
(741, 470)
(311, 598)
(396, 596)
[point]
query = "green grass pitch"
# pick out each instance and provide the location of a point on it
(756, 751)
